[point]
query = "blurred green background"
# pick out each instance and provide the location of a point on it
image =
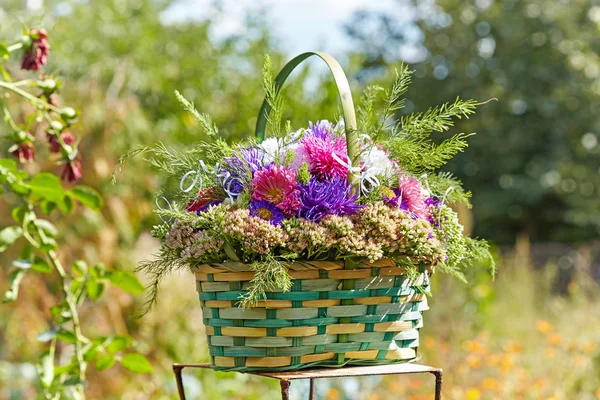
(534, 169)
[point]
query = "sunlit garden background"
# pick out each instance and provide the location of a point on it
(534, 168)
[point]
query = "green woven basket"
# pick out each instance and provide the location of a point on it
(335, 314)
(331, 317)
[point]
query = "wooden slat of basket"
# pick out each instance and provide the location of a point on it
(297, 331)
(233, 276)
(214, 286)
(320, 303)
(396, 326)
(273, 304)
(220, 361)
(268, 362)
(218, 303)
(350, 274)
(221, 341)
(320, 285)
(345, 328)
(401, 354)
(383, 262)
(375, 282)
(308, 274)
(346, 311)
(363, 355)
(243, 331)
(208, 269)
(319, 339)
(242, 313)
(210, 330)
(316, 357)
(269, 341)
(373, 300)
(297, 313)
(393, 308)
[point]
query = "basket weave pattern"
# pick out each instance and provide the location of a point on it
(318, 322)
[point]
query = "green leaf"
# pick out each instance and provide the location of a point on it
(87, 196)
(8, 236)
(46, 336)
(4, 53)
(79, 268)
(137, 363)
(105, 362)
(94, 289)
(14, 279)
(41, 265)
(118, 343)
(48, 187)
(66, 205)
(98, 271)
(46, 226)
(47, 207)
(9, 164)
(66, 336)
(126, 281)
(18, 214)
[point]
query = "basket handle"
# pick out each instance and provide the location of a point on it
(343, 88)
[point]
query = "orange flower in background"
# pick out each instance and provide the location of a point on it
(598, 393)
(555, 339)
(512, 347)
(588, 347)
(475, 347)
(474, 361)
(543, 326)
(333, 394)
(490, 384)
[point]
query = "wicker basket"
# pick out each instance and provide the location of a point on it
(331, 317)
(335, 314)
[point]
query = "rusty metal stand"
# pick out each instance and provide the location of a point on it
(285, 378)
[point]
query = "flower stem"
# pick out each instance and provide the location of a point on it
(71, 303)
(28, 96)
(14, 47)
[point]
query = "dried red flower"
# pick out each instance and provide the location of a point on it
(37, 54)
(71, 171)
(25, 152)
(54, 144)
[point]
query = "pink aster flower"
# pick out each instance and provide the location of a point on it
(322, 161)
(412, 196)
(277, 185)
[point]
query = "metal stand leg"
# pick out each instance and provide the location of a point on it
(311, 393)
(285, 389)
(177, 370)
(438, 384)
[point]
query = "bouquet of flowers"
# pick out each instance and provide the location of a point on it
(355, 193)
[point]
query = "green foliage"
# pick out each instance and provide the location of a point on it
(209, 128)
(270, 274)
(273, 99)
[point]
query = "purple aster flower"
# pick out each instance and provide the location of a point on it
(432, 202)
(327, 197)
(267, 211)
(321, 129)
(242, 167)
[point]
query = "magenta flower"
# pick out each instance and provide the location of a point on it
(37, 54)
(409, 197)
(277, 185)
(25, 152)
(71, 171)
(324, 155)
(267, 211)
(67, 137)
